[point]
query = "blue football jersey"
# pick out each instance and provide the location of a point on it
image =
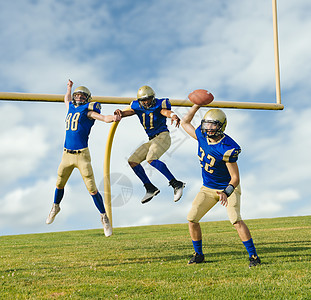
(151, 119)
(213, 158)
(78, 125)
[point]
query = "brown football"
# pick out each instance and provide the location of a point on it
(201, 97)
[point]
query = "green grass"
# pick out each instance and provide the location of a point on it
(150, 262)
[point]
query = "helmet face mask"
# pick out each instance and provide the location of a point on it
(147, 102)
(146, 97)
(210, 128)
(214, 123)
(80, 98)
(81, 95)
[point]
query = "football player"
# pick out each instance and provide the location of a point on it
(152, 113)
(81, 115)
(218, 154)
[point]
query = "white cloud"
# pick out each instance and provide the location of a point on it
(20, 212)
(18, 155)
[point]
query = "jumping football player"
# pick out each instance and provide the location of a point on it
(152, 114)
(218, 154)
(80, 118)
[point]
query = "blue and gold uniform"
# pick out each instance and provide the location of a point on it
(218, 154)
(78, 125)
(213, 158)
(152, 113)
(154, 124)
(81, 115)
(76, 153)
(152, 120)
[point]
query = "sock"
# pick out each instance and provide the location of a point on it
(161, 166)
(250, 247)
(140, 172)
(58, 196)
(98, 200)
(197, 245)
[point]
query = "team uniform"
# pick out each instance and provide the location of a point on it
(155, 127)
(152, 113)
(213, 158)
(78, 125)
(76, 153)
(218, 154)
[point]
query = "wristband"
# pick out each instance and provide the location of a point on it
(229, 190)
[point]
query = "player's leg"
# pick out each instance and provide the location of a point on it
(98, 201)
(86, 170)
(58, 195)
(135, 162)
(247, 241)
(158, 146)
(64, 171)
(196, 237)
(234, 215)
(202, 203)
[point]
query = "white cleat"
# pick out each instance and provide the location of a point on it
(107, 225)
(54, 211)
(178, 192)
(151, 191)
(178, 187)
(149, 195)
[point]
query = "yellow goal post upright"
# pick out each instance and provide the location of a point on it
(175, 102)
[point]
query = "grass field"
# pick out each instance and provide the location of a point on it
(150, 262)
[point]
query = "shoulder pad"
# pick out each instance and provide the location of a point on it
(95, 106)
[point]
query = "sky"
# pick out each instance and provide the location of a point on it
(115, 47)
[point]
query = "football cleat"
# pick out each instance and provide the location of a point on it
(107, 225)
(196, 259)
(54, 211)
(178, 188)
(151, 191)
(254, 261)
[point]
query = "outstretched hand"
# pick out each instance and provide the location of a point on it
(118, 112)
(176, 119)
(116, 118)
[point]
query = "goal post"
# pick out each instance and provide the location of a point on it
(276, 105)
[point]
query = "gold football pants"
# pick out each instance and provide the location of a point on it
(207, 198)
(153, 149)
(82, 161)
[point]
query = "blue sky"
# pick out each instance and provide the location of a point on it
(113, 48)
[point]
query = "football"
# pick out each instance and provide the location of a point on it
(201, 97)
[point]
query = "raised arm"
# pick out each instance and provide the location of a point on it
(186, 121)
(67, 97)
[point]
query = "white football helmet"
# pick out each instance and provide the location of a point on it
(216, 117)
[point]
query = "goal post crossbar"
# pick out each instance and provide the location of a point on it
(5, 96)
